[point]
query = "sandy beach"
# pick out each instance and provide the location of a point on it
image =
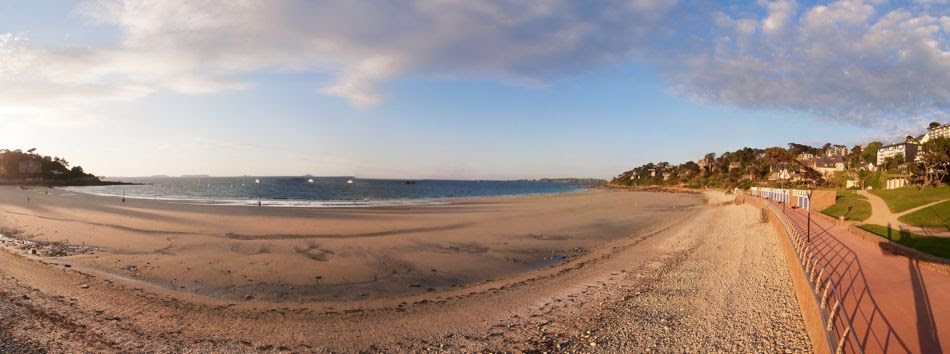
(491, 274)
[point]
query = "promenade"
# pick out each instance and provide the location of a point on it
(896, 306)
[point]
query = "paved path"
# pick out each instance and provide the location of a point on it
(896, 306)
(881, 215)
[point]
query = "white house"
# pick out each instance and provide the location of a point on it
(908, 151)
(827, 166)
(942, 131)
(30, 167)
(837, 150)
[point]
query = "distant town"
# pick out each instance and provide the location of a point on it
(916, 161)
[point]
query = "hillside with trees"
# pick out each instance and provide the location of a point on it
(29, 167)
(797, 166)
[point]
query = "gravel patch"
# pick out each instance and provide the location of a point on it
(730, 292)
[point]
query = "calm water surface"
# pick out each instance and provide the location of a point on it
(321, 191)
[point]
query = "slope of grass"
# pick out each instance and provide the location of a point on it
(902, 199)
(937, 246)
(935, 216)
(851, 205)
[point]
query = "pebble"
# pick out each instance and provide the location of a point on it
(731, 292)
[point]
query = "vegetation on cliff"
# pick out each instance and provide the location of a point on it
(28, 166)
(799, 165)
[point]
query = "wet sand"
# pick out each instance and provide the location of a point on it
(295, 254)
(475, 275)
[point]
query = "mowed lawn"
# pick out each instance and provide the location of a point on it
(851, 205)
(903, 199)
(937, 246)
(936, 216)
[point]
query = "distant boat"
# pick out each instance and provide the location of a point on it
(349, 181)
(310, 180)
(408, 181)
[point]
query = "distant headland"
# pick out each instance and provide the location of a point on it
(30, 168)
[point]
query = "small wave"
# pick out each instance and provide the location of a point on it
(284, 203)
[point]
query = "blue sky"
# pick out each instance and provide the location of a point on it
(456, 90)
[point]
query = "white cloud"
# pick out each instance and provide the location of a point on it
(780, 13)
(357, 81)
(841, 60)
(205, 46)
(849, 59)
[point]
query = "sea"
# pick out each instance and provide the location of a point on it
(307, 191)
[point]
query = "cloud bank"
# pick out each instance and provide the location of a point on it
(845, 60)
(851, 60)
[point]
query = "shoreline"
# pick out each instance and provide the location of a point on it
(65, 183)
(304, 203)
(560, 307)
(332, 253)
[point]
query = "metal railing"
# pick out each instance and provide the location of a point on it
(837, 324)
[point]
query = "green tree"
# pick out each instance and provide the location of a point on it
(854, 157)
(935, 160)
(869, 153)
(890, 164)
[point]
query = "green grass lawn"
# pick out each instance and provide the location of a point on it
(937, 216)
(851, 205)
(937, 246)
(902, 199)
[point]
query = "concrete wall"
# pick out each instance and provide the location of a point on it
(822, 199)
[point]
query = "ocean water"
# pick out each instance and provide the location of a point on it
(321, 192)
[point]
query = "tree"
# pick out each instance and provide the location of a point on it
(890, 163)
(854, 157)
(935, 160)
(77, 172)
(869, 153)
(798, 149)
(934, 125)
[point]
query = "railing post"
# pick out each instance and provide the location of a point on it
(843, 340)
(824, 294)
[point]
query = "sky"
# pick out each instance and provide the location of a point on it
(458, 89)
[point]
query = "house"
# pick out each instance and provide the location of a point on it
(705, 164)
(837, 150)
(906, 151)
(805, 157)
(827, 166)
(940, 131)
(783, 171)
(734, 165)
(30, 167)
(667, 176)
